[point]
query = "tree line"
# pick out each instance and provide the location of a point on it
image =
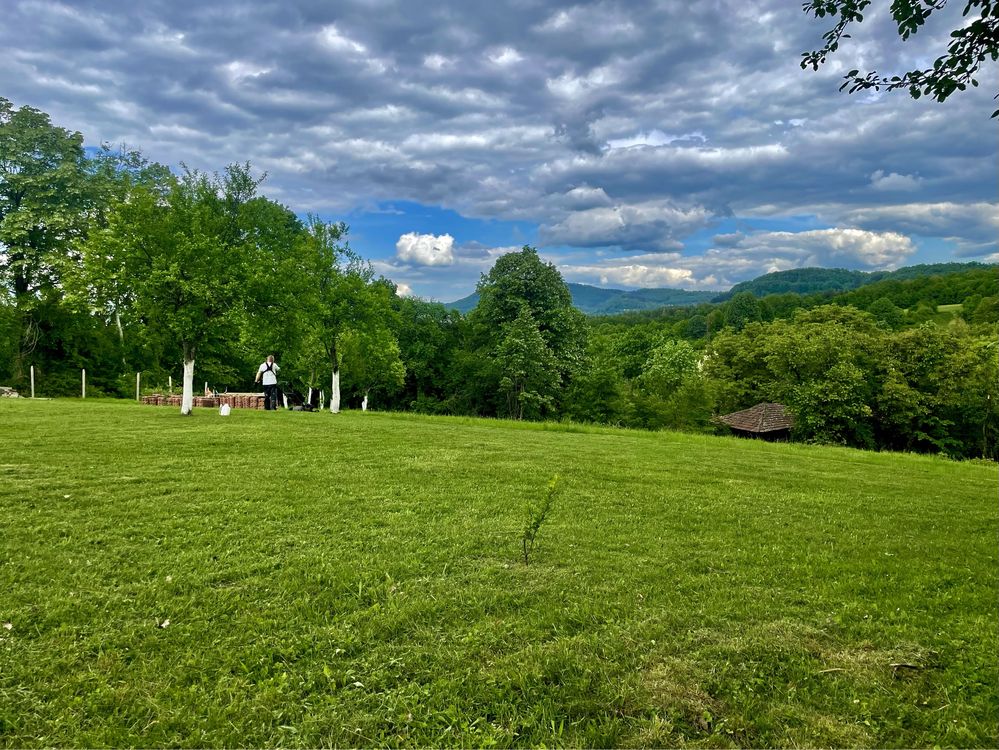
(119, 265)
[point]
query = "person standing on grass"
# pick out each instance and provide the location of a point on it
(268, 371)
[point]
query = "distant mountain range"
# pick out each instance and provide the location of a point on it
(814, 280)
(594, 300)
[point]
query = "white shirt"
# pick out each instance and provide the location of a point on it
(270, 377)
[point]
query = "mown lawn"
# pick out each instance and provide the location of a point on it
(355, 580)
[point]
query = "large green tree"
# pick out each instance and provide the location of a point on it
(520, 282)
(344, 302)
(429, 336)
(114, 175)
(529, 377)
(375, 361)
(45, 199)
(598, 392)
(743, 309)
(277, 286)
(940, 391)
(670, 364)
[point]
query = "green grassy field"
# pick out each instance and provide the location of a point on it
(356, 580)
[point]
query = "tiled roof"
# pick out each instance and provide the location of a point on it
(760, 418)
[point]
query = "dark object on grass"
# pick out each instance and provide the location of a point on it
(298, 402)
(767, 421)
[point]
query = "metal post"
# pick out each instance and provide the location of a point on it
(32, 381)
(138, 377)
(83, 387)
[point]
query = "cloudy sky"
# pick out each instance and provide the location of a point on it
(636, 144)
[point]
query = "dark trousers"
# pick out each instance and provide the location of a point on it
(271, 397)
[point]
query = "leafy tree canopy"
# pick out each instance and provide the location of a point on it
(43, 197)
(742, 310)
(523, 279)
(972, 44)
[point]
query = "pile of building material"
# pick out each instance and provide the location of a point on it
(234, 400)
(6, 392)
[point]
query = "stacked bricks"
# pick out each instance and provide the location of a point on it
(235, 400)
(242, 400)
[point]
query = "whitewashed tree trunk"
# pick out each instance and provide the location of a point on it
(335, 393)
(364, 403)
(121, 335)
(187, 401)
(308, 398)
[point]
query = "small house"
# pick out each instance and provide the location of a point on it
(767, 421)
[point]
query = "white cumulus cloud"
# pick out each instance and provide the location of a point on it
(632, 275)
(894, 181)
(436, 62)
(425, 249)
(831, 248)
(337, 41)
(974, 227)
(506, 56)
(653, 225)
(654, 137)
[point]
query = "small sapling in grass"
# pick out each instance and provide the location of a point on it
(536, 516)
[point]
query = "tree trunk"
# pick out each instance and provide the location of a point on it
(187, 400)
(364, 403)
(335, 392)
(335, 384)
(121, 336)
(28, 330)
(26, 343)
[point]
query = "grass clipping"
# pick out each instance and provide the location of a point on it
(537, 514)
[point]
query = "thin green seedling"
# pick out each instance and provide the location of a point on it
(536, 516)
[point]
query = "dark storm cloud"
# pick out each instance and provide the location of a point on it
(621, 125)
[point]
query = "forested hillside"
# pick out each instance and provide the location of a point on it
(118, 266)
(814, 280)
